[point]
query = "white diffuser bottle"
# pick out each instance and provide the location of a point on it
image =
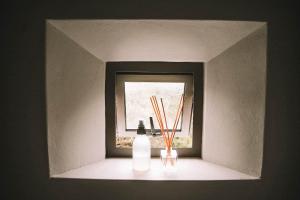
(141, 149)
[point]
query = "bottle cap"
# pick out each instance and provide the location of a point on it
(141, 128)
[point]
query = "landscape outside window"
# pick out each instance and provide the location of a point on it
(138, 107)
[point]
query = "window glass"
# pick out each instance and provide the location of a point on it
(156, 141)
(138, 105)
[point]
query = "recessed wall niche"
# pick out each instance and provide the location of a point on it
(234, 53)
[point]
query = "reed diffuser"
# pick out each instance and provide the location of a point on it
(168, 156)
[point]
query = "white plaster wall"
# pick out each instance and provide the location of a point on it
(234, 105)
(75, 104)
(156, 40)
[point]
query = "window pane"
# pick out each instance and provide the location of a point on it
(156, 142)
(138, 104)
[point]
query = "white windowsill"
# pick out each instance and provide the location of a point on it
(187, 169)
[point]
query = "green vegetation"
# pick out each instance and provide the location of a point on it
(156, 142)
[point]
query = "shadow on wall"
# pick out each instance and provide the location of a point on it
(235, 92)
(75, 104)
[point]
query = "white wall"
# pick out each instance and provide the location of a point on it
(156, 40)
(75, 104)
(234, 105)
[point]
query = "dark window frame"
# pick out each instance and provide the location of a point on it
(112, 68)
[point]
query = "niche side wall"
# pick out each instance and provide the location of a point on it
(234, 105)
(75, 104)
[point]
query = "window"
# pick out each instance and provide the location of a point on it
(133, 94)
(138, 106)
(129, 86)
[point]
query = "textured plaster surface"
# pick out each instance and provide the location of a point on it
(234, 105)
(75, 104)
(24, 123)
(156, 40)
(187, 169)
(234, 83)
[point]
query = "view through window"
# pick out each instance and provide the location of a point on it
(133, 104)
(138, 105)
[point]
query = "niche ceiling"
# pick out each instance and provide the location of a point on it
(155, 40)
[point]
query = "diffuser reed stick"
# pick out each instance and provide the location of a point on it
(156, 111)
(163, 108)
(168, 136)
